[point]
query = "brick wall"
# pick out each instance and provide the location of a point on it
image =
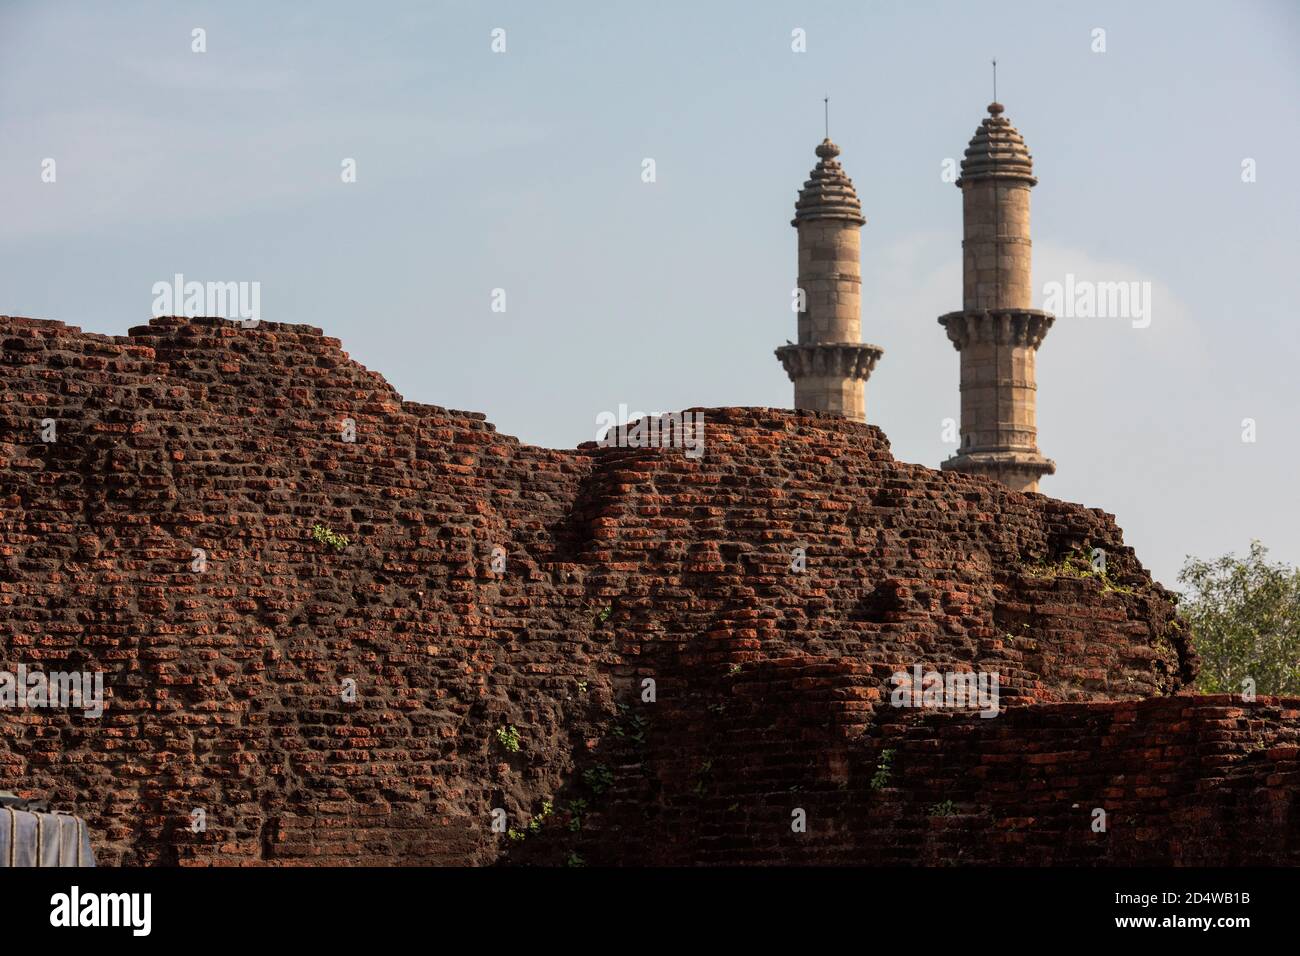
(1182, 780)
(621, 564)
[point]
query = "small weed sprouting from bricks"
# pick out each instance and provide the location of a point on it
(631, 725)
(575, 860)
(880, 779)
(509, 739)
(603, 615)
(576, 809)
(534, 826)
(1110, 587)
(1077, 565)
(325, 536)
(703, 777)
(536, 823)
(598, 778)
(944, 809)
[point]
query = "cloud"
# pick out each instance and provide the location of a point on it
(1174, 336)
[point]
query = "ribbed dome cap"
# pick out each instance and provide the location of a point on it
(997, 151)
(828, 194)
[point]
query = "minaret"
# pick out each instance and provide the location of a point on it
(997, 333)
(830, 365)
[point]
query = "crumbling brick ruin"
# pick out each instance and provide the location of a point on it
(521, 686)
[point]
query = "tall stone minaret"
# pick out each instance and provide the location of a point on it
(997, 333)
(830, 364)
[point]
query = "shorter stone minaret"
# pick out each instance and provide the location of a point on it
(996, 332)
(830, 364)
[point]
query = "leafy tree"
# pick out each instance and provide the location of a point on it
(1245, 620)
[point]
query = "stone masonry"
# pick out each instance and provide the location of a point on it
(996, 332)
(500, 608)
(829, 364)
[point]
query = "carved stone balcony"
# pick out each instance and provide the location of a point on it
(850, 359)
(1024, 327)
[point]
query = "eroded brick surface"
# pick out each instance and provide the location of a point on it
(621, 564)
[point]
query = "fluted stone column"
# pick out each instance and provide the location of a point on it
(830, 364)
(997, 333)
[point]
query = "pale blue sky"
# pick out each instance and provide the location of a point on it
(522, 171)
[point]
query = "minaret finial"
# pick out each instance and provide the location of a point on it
(826, 101)
(995, 79)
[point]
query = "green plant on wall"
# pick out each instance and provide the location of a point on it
(630, 725)
(325, 536)
(1077, 565)
(880, 779)
(576, 809)
(945, 809)
(599, 778)
(509, 739)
